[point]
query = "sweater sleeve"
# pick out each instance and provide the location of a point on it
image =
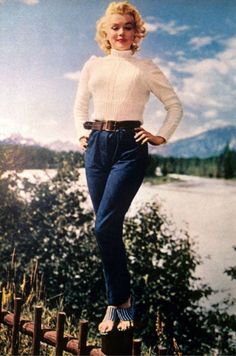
(162, 89)
(81, 105)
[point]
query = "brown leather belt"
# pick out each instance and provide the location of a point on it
(111, 125)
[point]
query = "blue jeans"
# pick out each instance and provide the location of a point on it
(115, 166)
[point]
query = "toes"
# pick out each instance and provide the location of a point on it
(105, 327)
(125, 325)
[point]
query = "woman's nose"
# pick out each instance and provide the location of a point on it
(121, 31)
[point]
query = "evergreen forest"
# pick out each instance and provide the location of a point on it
(20, 157)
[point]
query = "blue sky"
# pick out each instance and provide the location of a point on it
(44, 44)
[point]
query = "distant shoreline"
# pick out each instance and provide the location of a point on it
(178, 178)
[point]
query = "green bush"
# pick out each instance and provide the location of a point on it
(52, 225)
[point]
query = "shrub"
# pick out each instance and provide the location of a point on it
(53, 226)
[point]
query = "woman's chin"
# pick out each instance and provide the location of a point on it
(121, 47)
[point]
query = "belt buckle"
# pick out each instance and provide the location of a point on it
(110, 125)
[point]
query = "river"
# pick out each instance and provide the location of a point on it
(207, 207)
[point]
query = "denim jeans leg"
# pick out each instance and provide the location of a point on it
(119, 184)
(96, 168)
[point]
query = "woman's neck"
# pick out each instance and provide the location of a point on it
(117, 53)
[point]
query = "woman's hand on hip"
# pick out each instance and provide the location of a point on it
(83, 142)
(143, 136)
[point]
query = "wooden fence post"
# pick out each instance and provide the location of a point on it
(0, 300)
(16, 323)
(37, 330)
(136, 347)
(82, 337)
(60, 333)
(0, 307)
(118, 342)
(161, 350)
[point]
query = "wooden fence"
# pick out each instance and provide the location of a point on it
(116, 343)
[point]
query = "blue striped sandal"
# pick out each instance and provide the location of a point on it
(108, 321)
(126, 316)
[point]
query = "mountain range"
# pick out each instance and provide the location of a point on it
(59, 146)
(206, 144)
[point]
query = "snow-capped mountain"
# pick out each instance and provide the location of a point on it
(207, 144)
(17, 139)
(62, 146)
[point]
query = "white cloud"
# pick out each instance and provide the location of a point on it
(211, 113)
(171, 27)
(30, 2)
(209, 125)
(180, 55)
(151, 27)
(10, 126)
(209, 84)
(198, 42)
(206, 88)
(72, 75)
(229, 54)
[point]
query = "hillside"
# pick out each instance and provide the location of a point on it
(18, 157)
(207, 144)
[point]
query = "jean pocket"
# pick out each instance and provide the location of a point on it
(91, 134)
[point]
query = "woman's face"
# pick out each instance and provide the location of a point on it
(120, 31)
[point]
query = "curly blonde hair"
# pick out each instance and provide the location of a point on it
(121, 8)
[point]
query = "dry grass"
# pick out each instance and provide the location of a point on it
(30, 289)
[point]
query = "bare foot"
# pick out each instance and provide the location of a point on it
(108, 321)
(105, 326)
(125, 324)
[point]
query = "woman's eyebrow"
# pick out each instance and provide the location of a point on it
(118, 24)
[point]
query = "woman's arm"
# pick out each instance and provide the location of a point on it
(81, 106)
(159, 85)
(143, 136)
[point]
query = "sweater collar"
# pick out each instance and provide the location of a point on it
(123, 54)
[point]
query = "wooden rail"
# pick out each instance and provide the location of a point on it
(113, 344)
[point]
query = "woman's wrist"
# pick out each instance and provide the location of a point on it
(83, 137)
(83, 141)
(160, 140)
(142, 136)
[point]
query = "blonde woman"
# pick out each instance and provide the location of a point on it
(115, 141)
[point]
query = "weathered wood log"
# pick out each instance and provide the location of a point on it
(0, 308)
(82, 337)
(16, 325)
(8, 319)
(48, 336)
(0, 302)
(27, 327)
(61, 317)
(96, 352)
(37, 332)
(118, 342)
(2, 316)
(161, 350)
(136, 347)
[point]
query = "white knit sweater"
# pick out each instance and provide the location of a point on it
(120, 85)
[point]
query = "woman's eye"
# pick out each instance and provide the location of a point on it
(128, 28)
